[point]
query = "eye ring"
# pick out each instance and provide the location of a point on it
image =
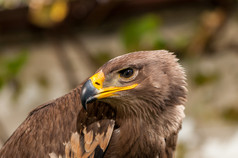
(126, 73)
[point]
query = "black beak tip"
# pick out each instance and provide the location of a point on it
(89, 100)
(88, 93)
(84, 103)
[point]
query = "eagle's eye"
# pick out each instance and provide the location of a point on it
(126, 73)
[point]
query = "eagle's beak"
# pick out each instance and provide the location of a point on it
(93, 89)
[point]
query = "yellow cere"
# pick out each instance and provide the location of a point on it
(97, 80)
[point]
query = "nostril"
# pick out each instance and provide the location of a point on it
(97, 83)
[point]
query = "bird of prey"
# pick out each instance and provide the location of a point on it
(132, 106)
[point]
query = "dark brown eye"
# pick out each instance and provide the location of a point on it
(126, 73)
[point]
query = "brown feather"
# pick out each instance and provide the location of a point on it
(83, 146)
(45, 129)
(74, 145)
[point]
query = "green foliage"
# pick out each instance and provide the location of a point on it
(181, 43)
(160, 43)
(202, 78)
(136, 33)
(101, 57)
(143, 33)
(9, 67)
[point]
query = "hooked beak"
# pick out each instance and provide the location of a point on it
(88, 93)
(93, 89)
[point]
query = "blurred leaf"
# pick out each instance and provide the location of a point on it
(48, 14)
(101, 57)
(135, 30)
(59, 10)
(9, 67)
(42, 80)
(13, 66)
(202, 78)
(160, 43)
(1, 82)
(230, 114)
(181, 43)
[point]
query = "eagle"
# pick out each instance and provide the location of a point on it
(132, 107)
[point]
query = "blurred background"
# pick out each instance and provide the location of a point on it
(48, 47)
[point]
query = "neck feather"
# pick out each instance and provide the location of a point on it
(146, 129)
